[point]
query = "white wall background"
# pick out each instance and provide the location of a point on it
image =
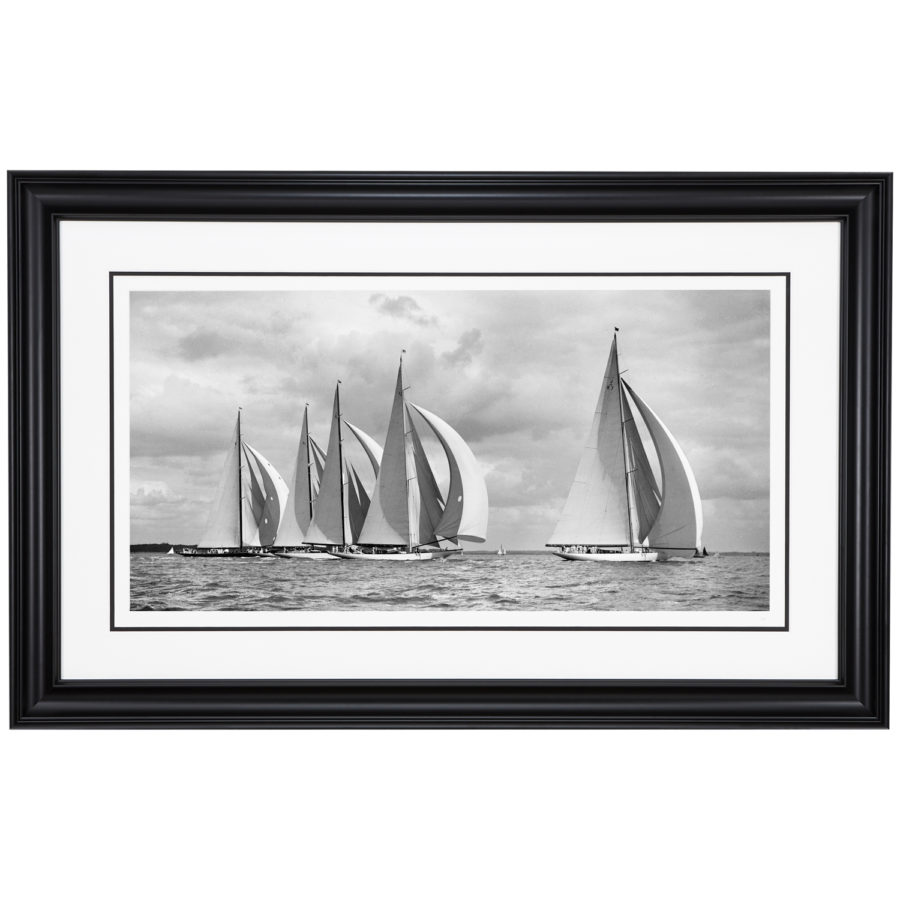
(468, 85)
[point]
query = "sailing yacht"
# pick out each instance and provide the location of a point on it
(501, 551)
(249, 505)
(615, 511)
(408, 519)
(341, 503)
(304, 487)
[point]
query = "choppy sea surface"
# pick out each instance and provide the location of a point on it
(515, 582)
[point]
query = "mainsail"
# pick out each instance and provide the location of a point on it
(678, 526)
(596, 510)
(224, 526)
(342, 502)
(389, 522)
(407, 507)
(330, 523)
(250, 501)
(304, 488)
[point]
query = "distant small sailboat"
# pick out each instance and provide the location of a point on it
(342, 501)
(501, 551)
(408, 518)
(171, 551)
(615, 511)
(249, 505)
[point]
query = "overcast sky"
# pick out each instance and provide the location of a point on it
(516, 373)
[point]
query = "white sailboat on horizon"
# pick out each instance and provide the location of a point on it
(409, 519)
(249, 506)
(615, 510)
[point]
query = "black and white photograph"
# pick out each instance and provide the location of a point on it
(450, 450)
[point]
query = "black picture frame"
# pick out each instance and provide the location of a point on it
(39, 201)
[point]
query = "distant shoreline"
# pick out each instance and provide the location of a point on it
(164, 548)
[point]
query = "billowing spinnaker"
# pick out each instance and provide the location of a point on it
(388, 520)
(679, 524)
(269, 495)
(645, 492)
(304, 484)
(373, 449)
(596, 510)
(223, 525)
(330, 517)
(465, 514)
(430, 504)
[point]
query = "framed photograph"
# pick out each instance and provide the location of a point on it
(449, 450)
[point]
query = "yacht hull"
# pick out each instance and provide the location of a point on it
(607, 557)
(414, 556)
(312, 555)
(223, 553)
(668, 554)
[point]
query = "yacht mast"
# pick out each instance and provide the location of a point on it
(309, 461)
(624, 442)
(337, 392)
(407, 426)
(240, 493)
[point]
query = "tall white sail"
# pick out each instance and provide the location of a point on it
(388, 520)
(678, 526)
(223, 528)
(304, 486)
(267, 494)
(330, 522)
(465, 514)
(596, 510)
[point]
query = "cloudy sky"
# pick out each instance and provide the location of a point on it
(516, 373)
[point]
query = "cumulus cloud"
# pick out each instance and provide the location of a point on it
(468, 346)
(202, 343)
(153, 504)
(401, 307)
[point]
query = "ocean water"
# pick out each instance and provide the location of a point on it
(515, 582)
